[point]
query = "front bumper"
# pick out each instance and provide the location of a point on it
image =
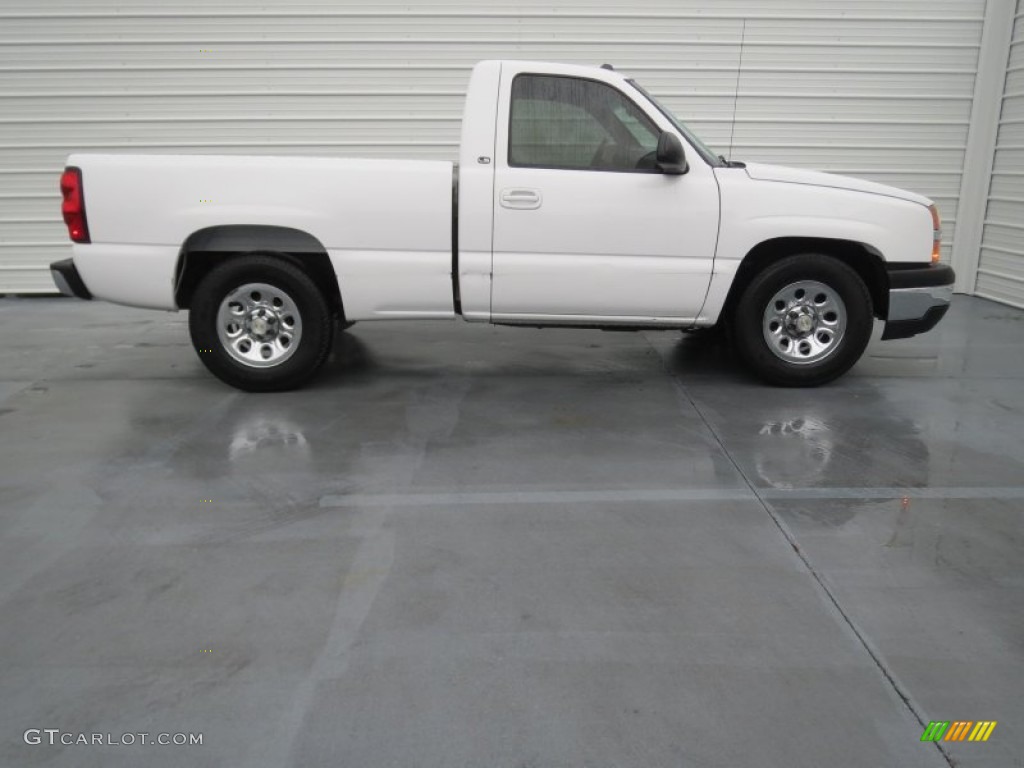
(67, 279)
(918, 298)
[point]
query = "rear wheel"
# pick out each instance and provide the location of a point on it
(260, 324)
(803, 321)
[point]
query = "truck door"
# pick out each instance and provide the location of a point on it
(585, 228)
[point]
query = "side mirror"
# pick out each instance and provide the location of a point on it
(669, 158)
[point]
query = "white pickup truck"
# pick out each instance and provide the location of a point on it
(578, 200)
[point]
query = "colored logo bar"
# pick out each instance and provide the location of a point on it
(959, 730)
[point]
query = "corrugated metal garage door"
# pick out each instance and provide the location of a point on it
(880, 88)
(1001, 263)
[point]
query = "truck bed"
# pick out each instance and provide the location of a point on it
(386, 224)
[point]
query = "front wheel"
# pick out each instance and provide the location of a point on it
(803, 321)
(260, 324)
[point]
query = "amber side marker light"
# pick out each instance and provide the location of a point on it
(936, 233)
(73, 207)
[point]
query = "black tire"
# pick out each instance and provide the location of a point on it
(772, 305)
(312, 324)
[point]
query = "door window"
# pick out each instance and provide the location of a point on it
(572, 123)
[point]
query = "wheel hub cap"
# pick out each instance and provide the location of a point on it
(259, 325)
(804, 322)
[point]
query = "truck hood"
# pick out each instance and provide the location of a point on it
(780, 173)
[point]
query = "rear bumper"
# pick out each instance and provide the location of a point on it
(919, 297)
(67, 279)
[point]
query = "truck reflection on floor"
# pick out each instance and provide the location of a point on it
(784, 438)
(262, 434)
(805, 458)
(823, 449)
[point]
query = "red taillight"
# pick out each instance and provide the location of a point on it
(73, 206)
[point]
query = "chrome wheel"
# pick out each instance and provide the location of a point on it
(804, 322)
(259, 325)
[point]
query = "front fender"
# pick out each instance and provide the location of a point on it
(755, 212)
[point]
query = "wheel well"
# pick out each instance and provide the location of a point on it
(207, 248)
(863, 260)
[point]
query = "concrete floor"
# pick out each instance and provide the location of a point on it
(467, 546)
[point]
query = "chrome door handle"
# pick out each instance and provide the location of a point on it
(523, 199)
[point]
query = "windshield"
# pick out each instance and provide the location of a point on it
(709, 157)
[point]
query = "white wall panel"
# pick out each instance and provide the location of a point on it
(874, 88)
(1001, 262)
